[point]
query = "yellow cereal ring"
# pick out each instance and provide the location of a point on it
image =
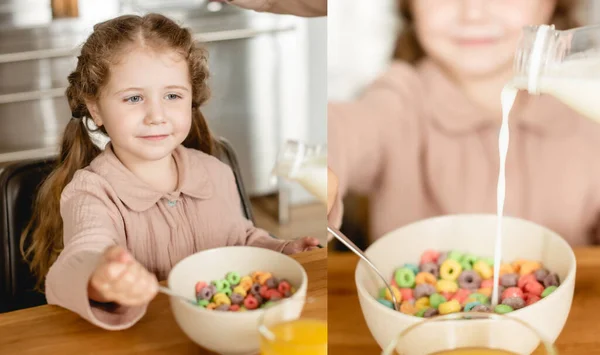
(449, 307)
(450, 270)
(529, 267)
(262, 278)
(425, 278)
(483, 269)
(506, 268)
(408, 308)
(422, 303)
(221, 298)
(517, 264)
(246, 283)
(446, 286)
(240, 290)
(397, 293)
(211, 306)
(487, 291)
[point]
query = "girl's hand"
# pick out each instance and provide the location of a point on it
(300, 245)
(332, 189)
(121, 279)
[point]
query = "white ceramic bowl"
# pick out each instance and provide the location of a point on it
(228, 332)
(474, 234)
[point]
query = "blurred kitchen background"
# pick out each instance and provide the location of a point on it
(361, 41)
(268, 82)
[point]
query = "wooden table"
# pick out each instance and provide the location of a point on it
(53, 330)
(348, 332)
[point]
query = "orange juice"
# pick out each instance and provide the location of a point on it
(299, 337)
(474, 351)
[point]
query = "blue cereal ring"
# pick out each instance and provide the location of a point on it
(413, 267)
(386, 303)
(469, 306)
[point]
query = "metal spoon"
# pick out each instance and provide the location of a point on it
(348, 243)
(170, 292)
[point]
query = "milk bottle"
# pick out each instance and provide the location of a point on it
(564, 64)
(305, 164)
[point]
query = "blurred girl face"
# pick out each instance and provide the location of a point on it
(476, 38)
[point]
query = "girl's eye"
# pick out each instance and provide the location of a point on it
(173, 96)
(134, 99)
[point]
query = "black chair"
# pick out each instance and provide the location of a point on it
(19, 183)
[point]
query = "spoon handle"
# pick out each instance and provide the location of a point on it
(348, 243)
(169, 292)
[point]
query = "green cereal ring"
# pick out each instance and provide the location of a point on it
(548, 291)
(226, 291)
(420, 312)
(466, 265)
(413, 267)
(203, 303)
(503, 309)
(233, 278)
(267, 304)
(489, 261)
(479, 297)
(436, 299)
(225, 284)
(405, 278)
(454, 255)
(386, 303)
(382, 292)
(469, 259)
(219, 284)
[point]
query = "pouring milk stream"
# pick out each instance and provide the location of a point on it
(564, 64)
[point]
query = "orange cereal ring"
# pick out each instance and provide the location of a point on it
(529, 267)
(256, 275)
(487, 291)
(262, 278)
(425, 278)
(408, 308)
(506, 268)
(211, 306)
(517, 264)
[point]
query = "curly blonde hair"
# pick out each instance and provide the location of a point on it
(109, 41)
(409, 49)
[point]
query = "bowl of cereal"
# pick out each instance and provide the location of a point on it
(445, 264)
(233, 286)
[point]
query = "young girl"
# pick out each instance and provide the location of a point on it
(108, 224)
(422, 140)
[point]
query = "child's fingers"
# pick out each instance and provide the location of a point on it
(312, 241)
(106, 274)
(124, 283)
(144, 290)
(135, 287)
(118, 254)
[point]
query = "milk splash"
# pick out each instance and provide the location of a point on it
(507, 98)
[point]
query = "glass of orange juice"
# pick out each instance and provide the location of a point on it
(294, 327)
(470, 333)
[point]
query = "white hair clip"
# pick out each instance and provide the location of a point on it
(99, 139)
